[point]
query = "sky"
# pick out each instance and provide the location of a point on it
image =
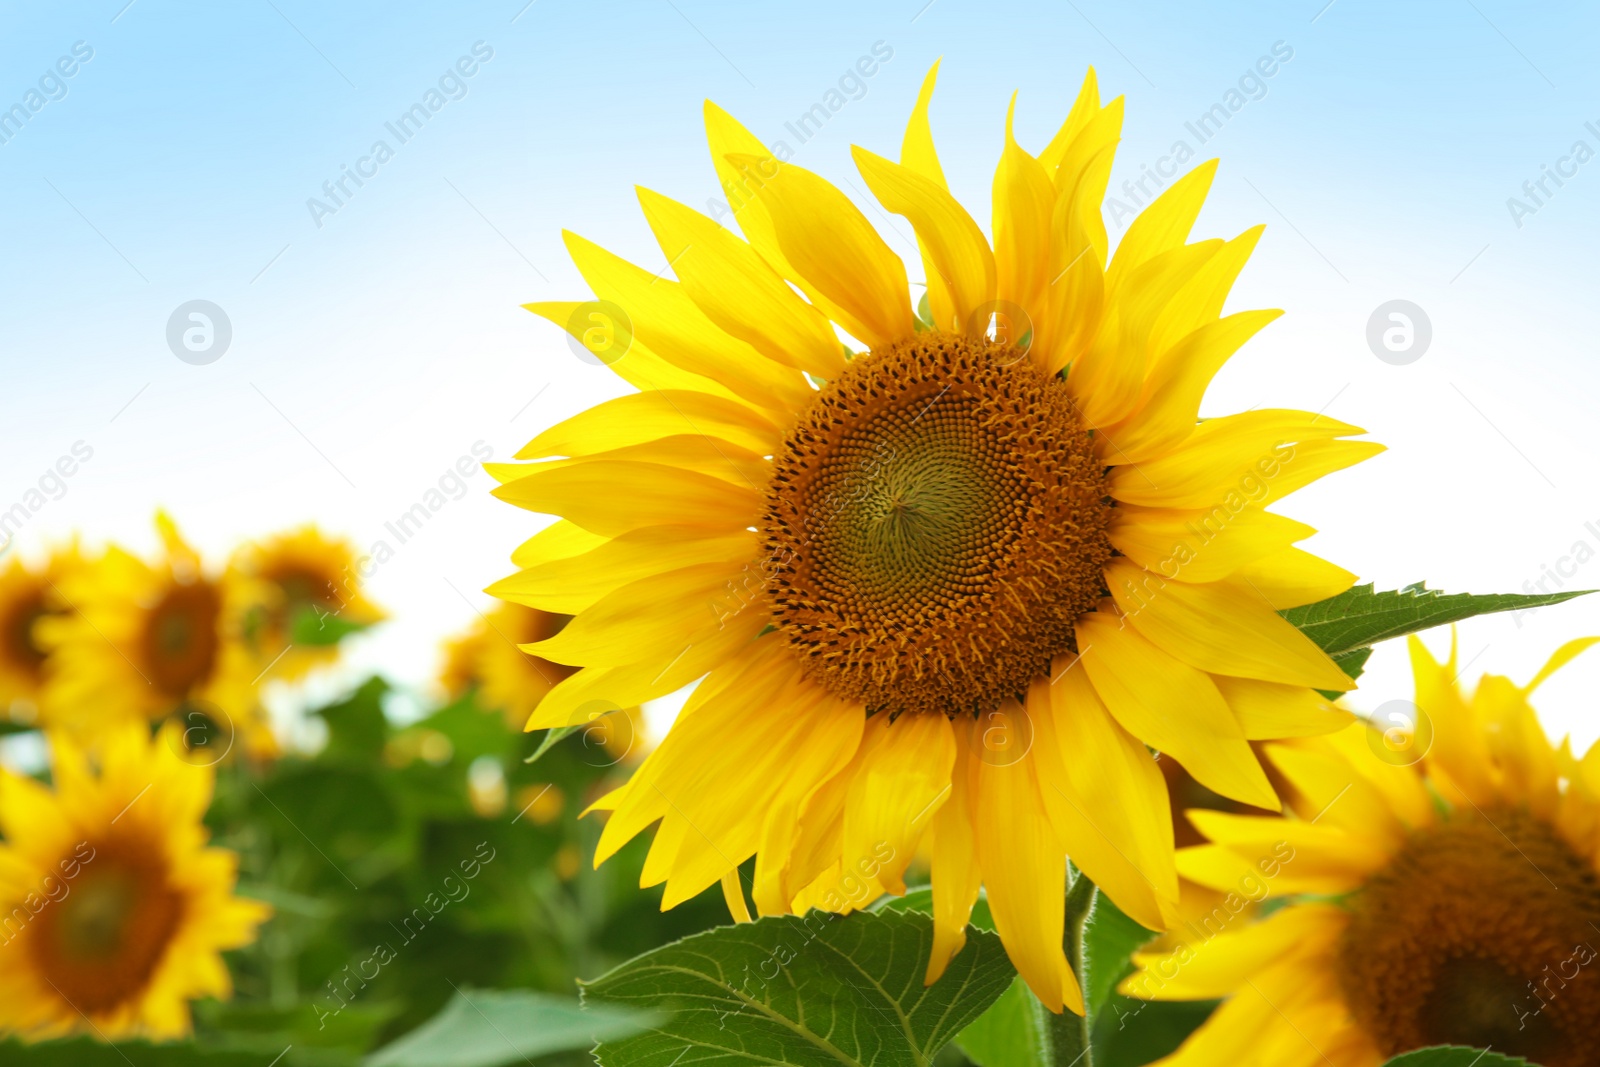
(376, 336)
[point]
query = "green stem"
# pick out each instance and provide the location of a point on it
(1069, 1035)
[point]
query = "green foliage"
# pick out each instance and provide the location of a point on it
(822, 989)
(388, 884)
(1360, 617)
(313, 628)
(1455, 1056)
(487, 1028)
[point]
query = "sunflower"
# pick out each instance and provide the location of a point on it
(114, 910)
(925, 566)
(1452, 899)
(26, 596)
(307, 593)
(149, 641)
(490, 656)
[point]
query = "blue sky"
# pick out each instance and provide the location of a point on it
(371, 352)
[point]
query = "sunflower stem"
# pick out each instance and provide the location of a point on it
(1069, 1032)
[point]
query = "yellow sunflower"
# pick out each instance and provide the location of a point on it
(949, 575)
(490, 656)
(27, 595)
(113, 912)
(306, 592)
(147, 641)
(1452, 899)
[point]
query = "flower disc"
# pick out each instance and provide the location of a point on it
(935, 524)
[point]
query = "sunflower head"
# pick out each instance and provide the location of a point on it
(152, 640)
(1452, 899)
(115, 911)
(29, 595)
(918, 567)
(304, 594)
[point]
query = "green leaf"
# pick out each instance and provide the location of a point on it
(924, 320)
(1359, 617)
(1131, 1033)
(316, 629)
(87, 1052)
(1014, 1032)
(820, 989)
(487, 1028)
(356, 726)
(1454, 1056)
(1110, 939)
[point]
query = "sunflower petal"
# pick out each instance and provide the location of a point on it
(1173, 707)
(738, 291)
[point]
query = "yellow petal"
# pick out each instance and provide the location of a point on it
(1023, 207)
(570, 585)
(669, 324)
(1200, 546)
(1025, 874)
(717, 768)
(560, 540)
(954, 862)
(1169, 409)
(1268, 710)
(836, 253)
(1250, 459)
(1336, 794)
(610, 497)
(956, 255)
(916, 148)
(1560, 658)
(637, 365)
(1290, 578)
(661, 615)
(597, 690)
(640, 417)
(1324, 858)
(1163, 226)
(1107, 796)
(1173, 707)
(1084, 109)
(1221, 628)
(738, 290)
(1203, 970)
(903, 778)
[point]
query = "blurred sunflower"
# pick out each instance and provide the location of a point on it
(116, 912)
(490, 656)
(1454, 900)
(886, 563)
(305, 595)
(27, 595)
(149, 641)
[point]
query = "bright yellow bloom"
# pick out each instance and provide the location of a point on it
(113, 912)
(300, 579)
(149, 641)
(1451, 900)
(887, 562)
(27, 595)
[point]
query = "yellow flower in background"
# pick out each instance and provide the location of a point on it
(1454, 900)
(954, 583)
(490, 656)
(147, 641)
(305, 594)
(27, 595)
(113, 911)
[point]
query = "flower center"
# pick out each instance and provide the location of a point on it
(100, 943)
(935, 525)
(21, 647)
(1481, 932)
(180, 637)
